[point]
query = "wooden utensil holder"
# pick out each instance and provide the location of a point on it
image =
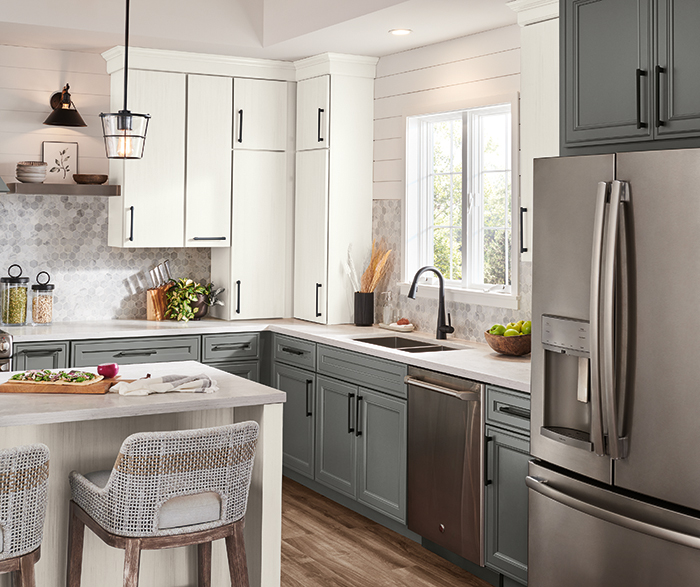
(156, 302)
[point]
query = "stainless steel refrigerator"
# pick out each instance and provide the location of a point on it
(614, 489)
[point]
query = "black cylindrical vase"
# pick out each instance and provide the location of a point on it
(364, 308)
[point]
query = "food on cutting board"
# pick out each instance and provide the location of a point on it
(518, 328)
(45, 376)
(402, 321)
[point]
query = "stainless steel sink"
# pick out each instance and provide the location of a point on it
(408, 345)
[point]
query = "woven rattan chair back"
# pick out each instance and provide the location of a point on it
(24, 477)
(153, 467)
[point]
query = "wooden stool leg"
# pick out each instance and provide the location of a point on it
(204, 564)
(26, 571)
(237, 563)
(132, 560)
(76, 534)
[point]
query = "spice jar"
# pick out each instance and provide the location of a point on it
(13, 297)
(42, 300)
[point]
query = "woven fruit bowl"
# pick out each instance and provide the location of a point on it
(509, 345)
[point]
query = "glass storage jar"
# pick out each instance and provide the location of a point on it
(13, 297)
(42, 300)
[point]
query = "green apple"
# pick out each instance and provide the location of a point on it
(497, 329)
(527, 327)
(511, 332)
(514, 326)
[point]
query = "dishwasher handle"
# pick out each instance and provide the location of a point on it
(467, 396)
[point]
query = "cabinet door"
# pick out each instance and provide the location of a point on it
(40, 355)
(678, 47)
(208, 187)
(298, 419)
(604, 44)
(311, 236)
(246, 369)
(335, 435)
(381, 459)
(506, 503)
(260, 110)
(151, 210)
(313, 113)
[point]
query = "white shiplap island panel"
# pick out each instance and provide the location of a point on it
(84, 433)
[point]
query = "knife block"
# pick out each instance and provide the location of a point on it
(156, 302)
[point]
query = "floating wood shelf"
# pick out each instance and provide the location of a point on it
(63, 189)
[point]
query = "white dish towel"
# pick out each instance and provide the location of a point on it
(192, 384)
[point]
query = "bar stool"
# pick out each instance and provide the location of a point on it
(168, 489)
(24, 477)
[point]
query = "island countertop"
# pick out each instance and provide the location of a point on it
(19, 409)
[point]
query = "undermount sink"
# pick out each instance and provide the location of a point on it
(408, 345)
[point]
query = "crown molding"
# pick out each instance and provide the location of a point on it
(534, 11)
(336, 64)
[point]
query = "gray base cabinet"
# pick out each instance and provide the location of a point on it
(246, 369)
(40, 355)
(131, 351)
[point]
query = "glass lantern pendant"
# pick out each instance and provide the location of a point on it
(125, 132)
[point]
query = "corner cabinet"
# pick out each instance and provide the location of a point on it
(333, 208)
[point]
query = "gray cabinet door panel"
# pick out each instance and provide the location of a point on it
(298, 418)
(293, 351)
(678, 48)
(40, 355)
(246, 369)
(131, 351)
(382, 453)
(506, 503)
(380, 374)
(335, 435)
(604, 43)
(229, 347)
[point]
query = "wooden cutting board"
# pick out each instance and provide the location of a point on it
(99, 387)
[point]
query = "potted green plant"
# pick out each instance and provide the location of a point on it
(189, 300)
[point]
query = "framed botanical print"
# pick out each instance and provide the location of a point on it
(61, 160)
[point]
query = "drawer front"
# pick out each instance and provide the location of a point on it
(508, 408)
(40, 355)
(230, 347)
(246, 369)
(131, 351)
(296, 352)
(377, 374)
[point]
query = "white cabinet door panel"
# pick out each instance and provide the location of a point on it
(260, 114)
(313, 113)
(208, 187)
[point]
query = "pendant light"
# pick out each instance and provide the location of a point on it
(64, 112)
(125, 132)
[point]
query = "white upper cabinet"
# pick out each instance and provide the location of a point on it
(208, 183)
(313, 113)
(260, 114)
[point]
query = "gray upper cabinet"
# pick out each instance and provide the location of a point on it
(40, 355)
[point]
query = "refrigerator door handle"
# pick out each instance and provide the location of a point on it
(616, 444)
(542, 487)
(597, 438)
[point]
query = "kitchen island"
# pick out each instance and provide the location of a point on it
(85, 432)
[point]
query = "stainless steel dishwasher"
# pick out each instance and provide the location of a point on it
(446, 462)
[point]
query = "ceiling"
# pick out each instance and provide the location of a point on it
(272, 29)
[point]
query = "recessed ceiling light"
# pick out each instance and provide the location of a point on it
(398, 32)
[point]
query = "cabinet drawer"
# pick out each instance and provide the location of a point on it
(508, 408)
(246, 369)
(130, 351)
(300, 353)
(40, 355)
(229, 347)
(378, 374)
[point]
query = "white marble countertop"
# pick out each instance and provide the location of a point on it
(474, 361)
(19, 409)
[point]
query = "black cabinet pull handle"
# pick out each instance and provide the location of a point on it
(487, 481)
(658, 70)
(358, 415)
(238, 297)
(232, 346)
(318, 287)
(209, 238)
(39, 353)
(146, 353)
(523, 248)
(309, 383)
(240, 126)
(291, 351)
(131, 229)
(513, 411)
(320, 111)
(640, 74)
(350, 426)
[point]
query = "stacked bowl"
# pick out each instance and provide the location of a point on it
(31, 171)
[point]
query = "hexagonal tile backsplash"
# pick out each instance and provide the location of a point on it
(469, 320)
(67, 236)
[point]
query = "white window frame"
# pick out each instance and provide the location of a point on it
(417, 238)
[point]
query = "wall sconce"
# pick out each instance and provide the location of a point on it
(64, 112)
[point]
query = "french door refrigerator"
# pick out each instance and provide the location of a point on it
(614, 487)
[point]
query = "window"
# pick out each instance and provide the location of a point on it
(459, 205)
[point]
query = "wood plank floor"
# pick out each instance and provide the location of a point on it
(326, 545)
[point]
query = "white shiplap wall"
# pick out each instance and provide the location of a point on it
(28, 77)
(436, 78)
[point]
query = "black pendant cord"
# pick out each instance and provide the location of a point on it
(126, 54)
